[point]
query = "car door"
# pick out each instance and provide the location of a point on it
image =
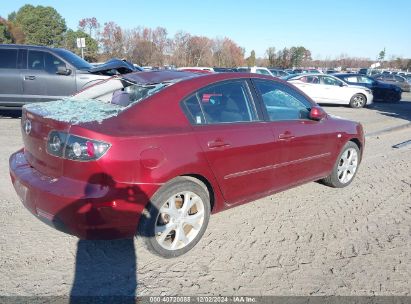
(41, 81)
(233, 139)
(334, 90)
(378, 92)
(301, 146)
(311, 85)
(10, 84)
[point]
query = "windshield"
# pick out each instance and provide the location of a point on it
(73, 59)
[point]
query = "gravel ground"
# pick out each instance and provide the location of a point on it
(311, 240)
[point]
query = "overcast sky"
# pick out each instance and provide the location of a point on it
(327, 28)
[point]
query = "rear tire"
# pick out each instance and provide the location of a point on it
(176, 218)
(345, 167)
(358, 101)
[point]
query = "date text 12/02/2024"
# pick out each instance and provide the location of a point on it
(203, 299)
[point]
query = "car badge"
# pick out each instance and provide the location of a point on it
(27, 127)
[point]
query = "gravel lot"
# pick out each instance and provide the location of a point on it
(311, 240)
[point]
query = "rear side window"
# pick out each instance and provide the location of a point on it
(8, 59)
(227, 102)
(331, 81)
(351, 79)
(281, 103)
(363, 79)
(310, 79)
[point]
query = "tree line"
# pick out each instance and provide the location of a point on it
(43, 25)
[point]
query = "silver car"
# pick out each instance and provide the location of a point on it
(37, 73)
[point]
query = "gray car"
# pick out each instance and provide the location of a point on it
(36, 73)
(394, 79)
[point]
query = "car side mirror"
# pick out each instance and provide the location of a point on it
(317, 114)
(62, 70)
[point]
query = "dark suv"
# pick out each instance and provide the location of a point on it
(36, 73)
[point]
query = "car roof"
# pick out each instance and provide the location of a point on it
(159, 76)
(173, 76)
(21, 46)
(310, 74)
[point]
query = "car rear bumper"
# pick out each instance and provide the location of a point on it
(105, 210)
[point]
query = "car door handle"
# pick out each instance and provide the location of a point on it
(29, 77)
(218, 143)
(285, 136)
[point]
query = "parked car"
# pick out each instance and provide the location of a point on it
(369, 72)
(329, 89)
(381, 91)
(300, 71)
(331, 71)
(313, 71)
(404, 74)
(394, 79)
(184, 145)
(408, 78)
(278, 72)
(224, 70)
(256, 70)
(149, 68)
(36, 73)
(196, 68)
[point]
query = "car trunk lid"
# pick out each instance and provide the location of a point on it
(40, 119)
(35, 131)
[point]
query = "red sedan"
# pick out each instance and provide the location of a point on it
(155, 153)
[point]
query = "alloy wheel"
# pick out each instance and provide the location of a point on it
(179, 221)
(358, 101)
(347, 165)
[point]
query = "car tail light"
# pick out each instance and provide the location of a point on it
(74, 147)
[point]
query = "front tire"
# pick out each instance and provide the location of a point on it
(345, 167)
(176, 218)
(358, 101)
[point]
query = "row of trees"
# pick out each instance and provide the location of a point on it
(146, 46)
(294, 56)
(42, 25)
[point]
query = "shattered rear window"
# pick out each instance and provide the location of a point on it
(76, 110)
